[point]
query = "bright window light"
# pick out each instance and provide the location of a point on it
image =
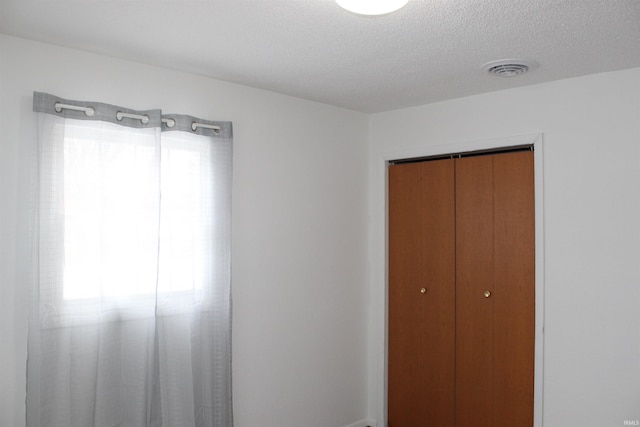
(111, 217)
(372, 7)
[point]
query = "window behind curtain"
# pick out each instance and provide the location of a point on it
(111, 221)
(131, 309)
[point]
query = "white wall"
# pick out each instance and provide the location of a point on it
(299, 230)
(591, 131)
(300, 238)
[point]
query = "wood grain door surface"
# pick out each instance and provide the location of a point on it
(460, 228)
(422, 255)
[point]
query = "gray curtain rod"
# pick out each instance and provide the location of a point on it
(89, 111)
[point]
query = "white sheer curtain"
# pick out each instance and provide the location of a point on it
(130, 320)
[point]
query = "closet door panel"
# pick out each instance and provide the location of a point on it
(438, 303)
(475, 276)
(421, 294)
(462, 292)
(404, 306)
(514, 296)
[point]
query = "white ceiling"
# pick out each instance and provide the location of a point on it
(429, 51)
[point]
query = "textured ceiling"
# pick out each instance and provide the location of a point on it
(429, 51)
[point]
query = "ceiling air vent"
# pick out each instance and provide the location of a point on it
(509, 67)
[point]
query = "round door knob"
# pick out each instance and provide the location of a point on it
(423, 290)
(487, 294)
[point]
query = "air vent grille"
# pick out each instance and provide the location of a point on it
(509, 67)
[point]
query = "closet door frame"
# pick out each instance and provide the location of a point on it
(379, 262)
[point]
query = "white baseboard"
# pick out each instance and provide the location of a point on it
(363, 423)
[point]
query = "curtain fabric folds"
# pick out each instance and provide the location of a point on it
(130, 321)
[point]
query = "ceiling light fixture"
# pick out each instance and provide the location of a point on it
(372, 7)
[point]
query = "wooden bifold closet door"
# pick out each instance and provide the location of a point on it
(461, 292)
